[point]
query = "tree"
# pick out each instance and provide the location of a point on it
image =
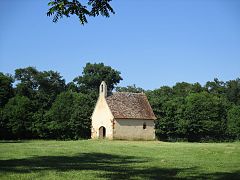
(216, 87)
(233, 123)
(157, 98)
(184, 89)
(205, 114)
(80, 122)
(233, 91)
(69, 116)
(94, 74)
(17, 117)
(61, 8)
(72, 87)
(170, 125)
(27, 85)
(40, 87)
(50, 84)
(6, 89)
(132, 88)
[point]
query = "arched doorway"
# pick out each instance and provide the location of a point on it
(102, 132)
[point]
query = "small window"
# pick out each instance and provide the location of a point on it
(102, 88)
(144, 125)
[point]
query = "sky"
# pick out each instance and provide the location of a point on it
(151, 42)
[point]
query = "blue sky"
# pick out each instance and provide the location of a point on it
(151, 42)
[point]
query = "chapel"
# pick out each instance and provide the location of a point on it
(122, 115)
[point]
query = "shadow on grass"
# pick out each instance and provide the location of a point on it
(11, 141)
(107, 165)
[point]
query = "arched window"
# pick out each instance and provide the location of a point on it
(144, 125)
(102, 88)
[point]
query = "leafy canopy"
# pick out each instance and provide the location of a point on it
(94, 74)
(233, 117)
(6, 90)
(61, 8)
(132, 88)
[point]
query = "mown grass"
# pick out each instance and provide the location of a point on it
(95, 159)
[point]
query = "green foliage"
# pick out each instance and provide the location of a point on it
(206, 116)
(50, 84)
(43, 106)
(233, 91)
(168, 125)
(80, 122)
(17, 117)
(61, 8)
(191, 112)
(233, 127)
(69, 116)
(6, 89)
(27, 81)
(41, 87)
(132, 89)
(59, 115)
(184, 89)
(94, 74)
(72, 87)
(157, 99)
(215, 87)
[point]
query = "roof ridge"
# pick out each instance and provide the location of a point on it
(128, 93)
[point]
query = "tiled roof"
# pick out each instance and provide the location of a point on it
(124, 105)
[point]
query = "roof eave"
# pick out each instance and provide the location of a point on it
(124, 118)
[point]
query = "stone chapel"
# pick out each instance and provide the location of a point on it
(122, 115)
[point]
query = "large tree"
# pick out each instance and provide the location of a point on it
(94, 74)
(42, 87)
(69, 117)
(90, 8)
(171, 124)
(26, 79)
(205, 115)
(50, 84)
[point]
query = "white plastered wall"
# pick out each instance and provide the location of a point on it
(102, 116)
(133, 129)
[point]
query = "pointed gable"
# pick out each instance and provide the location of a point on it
(124, 105)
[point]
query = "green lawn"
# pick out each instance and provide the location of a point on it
(93, 159)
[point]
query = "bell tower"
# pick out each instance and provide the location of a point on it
(103, 89)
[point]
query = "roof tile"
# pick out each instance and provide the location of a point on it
(125, 105)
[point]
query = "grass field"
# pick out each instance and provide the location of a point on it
(93, 159)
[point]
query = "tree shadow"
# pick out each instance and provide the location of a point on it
(221, 175)
(11, 141)
(110, 166)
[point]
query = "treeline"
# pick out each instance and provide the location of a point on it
(40, 104)
(193, 112)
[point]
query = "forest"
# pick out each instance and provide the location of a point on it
(41, 105)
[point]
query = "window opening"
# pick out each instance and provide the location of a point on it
(144, 125)
(102, 88)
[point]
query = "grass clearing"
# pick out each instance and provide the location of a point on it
(102, 159)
